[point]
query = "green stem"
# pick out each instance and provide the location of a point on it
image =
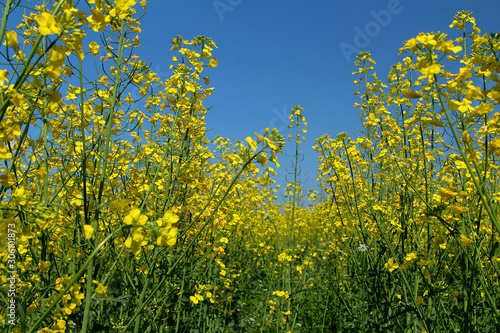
(95, 224)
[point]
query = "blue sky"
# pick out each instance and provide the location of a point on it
(277, 54)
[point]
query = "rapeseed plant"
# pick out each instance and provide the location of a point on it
(125, 219)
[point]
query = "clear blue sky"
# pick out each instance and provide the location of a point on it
(277, 54)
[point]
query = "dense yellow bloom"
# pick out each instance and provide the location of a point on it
(430, 70)
(122, 8)
(3, 76)
(11, 40)
(408, 93)
(88, 231)
(168, 218)
(371, 120)
(98, 20)
(213, 63)
(5, 154)
(43, 266)
(167, 236)
(47, 24)
(101, 290)
(15, 97)
(411, 257)
(465, 240)
(284, 294)
(412, 45)
(462, 106)
(427, 40)
(168, 233)
(482, 109)
(446, 193)
(196, 298)
(59, 326)
(391, 265)
(400, 188)
(251, 143)
(94, 48)
(124, 4)
(495, 145)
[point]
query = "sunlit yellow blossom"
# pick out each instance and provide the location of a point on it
(465, 240)
(98, 20)
(135, 212)
(285, 294)
(11, 40)
(48, 24)
(408, 93)
(411, 256)
(495, 145)
(3, 76)
(196, 298)
(251, 143)
(412, 45)
(430, 70)
(482, 109)
(391, 265)
(167, 236)
(122, 7)
(462, 106)
(101, 290)
(464, 74)
(16, 98)
(43, 266)
(60, 325)
(124, 4)
(459, 209)
(213, 63)
(446, 193)
(94, 48)
(427, 40)
(88, 231)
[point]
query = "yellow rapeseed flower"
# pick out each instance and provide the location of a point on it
(101, 290)
(48, 24)
(43, 266)
(5, 154)
(11, 40)
(94, 48)
(446, 193)
(495, 145)
(98, 20)
(15, 97)
(465, 240)
(88, 231)
(169, 218)
(125, 4)
(168, 236)
(3, 76)
(122, 8)
(408, 93)
(391, 265)
(196, 298)
(251, 143)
